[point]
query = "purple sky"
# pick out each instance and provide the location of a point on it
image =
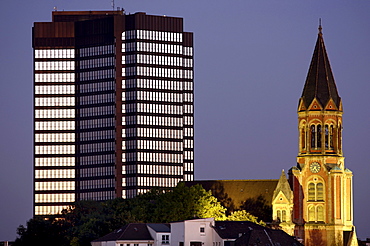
(251, 62)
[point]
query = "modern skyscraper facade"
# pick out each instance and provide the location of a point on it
(113, 106)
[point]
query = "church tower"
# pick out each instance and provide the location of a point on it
(322, 185)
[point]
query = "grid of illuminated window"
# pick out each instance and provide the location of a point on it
(158, 109)
(54, 130)
(97, 124)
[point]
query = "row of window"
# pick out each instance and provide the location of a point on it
(97, 135)
(316, 136)
(96, 123)
(54, 101)
(188, 177)
(97, 62)
(152, 47)
(97, 147)
(97, 159)
(54, 161)
(156, 72)
(154, 145)
(94, 99)
(188, 155)
(98, 196)
(316, 213)
(188, 120)
(97, 50)
(156, 96)
(188, 132)
(97, 184)
(153, 157)
(154, 133)
(188, 109)
(46, 210)
(188, 166)
(316, 191)
(96, 111)
(54, 125)
(152, 35)
(54, 53)
(54, 77)
(97, 87)
(153, 120)
(152, 108)
(157, 60)
(188, 143)
(63, 197)
(55, 149)
(157, 84)
(150, 181)
(158, 169)
(55, 65)
(55, 185)
(54, 89)
(55, 173)
(54, 137)
(97, 171)
(54, 113)
(282, 215)
(99, 74)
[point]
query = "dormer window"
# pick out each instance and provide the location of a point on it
(165, 239)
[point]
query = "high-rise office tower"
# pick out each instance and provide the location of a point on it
(113, 106)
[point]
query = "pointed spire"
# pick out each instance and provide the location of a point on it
(283, 186)
(320, 82)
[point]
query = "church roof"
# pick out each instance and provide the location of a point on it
(236, 192)
(320, 82)
(284, 187)
(133, 231)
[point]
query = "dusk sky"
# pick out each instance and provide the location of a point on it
(251, 61)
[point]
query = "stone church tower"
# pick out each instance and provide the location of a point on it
(321, 184)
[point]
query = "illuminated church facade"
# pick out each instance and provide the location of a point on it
(315, 204)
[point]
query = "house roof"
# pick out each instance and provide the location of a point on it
(133, 231)
(266, 237)
(320, 82)
(160, 227)
(236, 192)
(233, 229)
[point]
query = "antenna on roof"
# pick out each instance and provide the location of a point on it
(113, 5)
(320, 28)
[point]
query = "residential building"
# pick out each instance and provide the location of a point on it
(113, 106)
(197, 232)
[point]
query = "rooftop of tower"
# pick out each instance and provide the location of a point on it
(320, 82)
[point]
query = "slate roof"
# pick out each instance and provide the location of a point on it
(237, 191)
(266, 237)
(320, 82)
(233, 229)
(133, 231)
(248, 233)
(160, 227)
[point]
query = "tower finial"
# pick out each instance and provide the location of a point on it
(320, 28)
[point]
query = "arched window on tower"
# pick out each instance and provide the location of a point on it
(311, 213)
(318, 144)
(315, 136)
(283, 216)
(278, 215)
(320, 213)
(303, 137)
(315, 191)
(329, 133)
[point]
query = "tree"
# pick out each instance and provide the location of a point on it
(243, 215)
